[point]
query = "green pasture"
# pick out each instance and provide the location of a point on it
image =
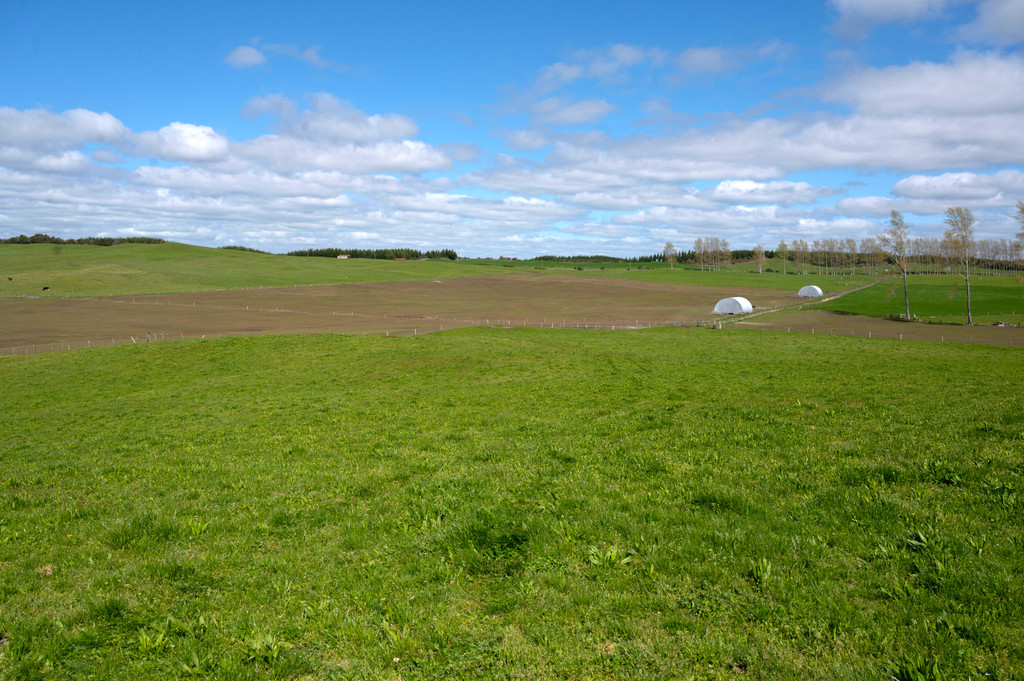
(137, 269)
(735, 275)
(531, 504)
(939, 298)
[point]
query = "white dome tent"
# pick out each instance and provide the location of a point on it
(810, 291)
(734, 305)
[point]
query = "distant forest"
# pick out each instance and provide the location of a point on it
(377, 253)
(86, 241)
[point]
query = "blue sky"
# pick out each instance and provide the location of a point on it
(520, 129)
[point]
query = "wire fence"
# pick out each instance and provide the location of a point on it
(418, 325)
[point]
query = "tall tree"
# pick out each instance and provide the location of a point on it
(782, 252)
(897, 244)
(1020, 222)
(759, 257)
(959, 241)
(670, 255)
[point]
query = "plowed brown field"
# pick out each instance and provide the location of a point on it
(520, 299)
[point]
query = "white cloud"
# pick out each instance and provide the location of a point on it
(38, 128)
(857, 16)
(559, 111)
(330, 120)
(783, 193)
(698, 60)
(310, 55)
(244, 56)
(969, 84)
(289, 154)
(182, 142)
(999, 22)
(526, 140)
(962, 186)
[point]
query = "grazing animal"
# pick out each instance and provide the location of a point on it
(9, 279)
(46, 288)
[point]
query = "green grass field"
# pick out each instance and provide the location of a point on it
(138, 269)
(514, 504)
(940, 298)
(736, 275)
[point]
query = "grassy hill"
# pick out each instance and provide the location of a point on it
(514, 504)
(136, 269)
(139, 269)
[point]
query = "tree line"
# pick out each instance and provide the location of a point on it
(86, 241)
(958, 248)
(377, 253)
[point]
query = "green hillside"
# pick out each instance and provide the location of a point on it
(514, 504)
(127, 269)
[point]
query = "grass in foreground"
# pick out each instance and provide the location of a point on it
(528, 504)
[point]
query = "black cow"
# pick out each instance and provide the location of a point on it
(46, 288)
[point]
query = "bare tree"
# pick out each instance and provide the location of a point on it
(801, 253)
(873, 253)
(959, 242)
(1020, 222)
(670, 255)
(896, 243)
(851, 253)
(759, 257)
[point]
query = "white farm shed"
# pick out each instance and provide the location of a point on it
(810, 291)
(734, 305)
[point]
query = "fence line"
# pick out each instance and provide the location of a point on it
(449, 323)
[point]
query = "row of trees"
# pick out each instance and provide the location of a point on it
(87, 241)
(377, 253)
(958, 247)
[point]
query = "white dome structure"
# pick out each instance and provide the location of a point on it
(734, 305)
(810, 291)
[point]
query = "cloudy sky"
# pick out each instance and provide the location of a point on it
(520, 129)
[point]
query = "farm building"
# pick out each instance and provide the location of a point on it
(343, 257)
(734, 305)
(810, 291)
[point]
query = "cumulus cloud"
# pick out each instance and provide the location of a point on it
(38, 128)
(962, 186)
(330, 120)
(290, 154)
(970, 83)
(783, 193)
(244, 56)
(182, 142)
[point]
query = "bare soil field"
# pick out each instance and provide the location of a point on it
(520, 299)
